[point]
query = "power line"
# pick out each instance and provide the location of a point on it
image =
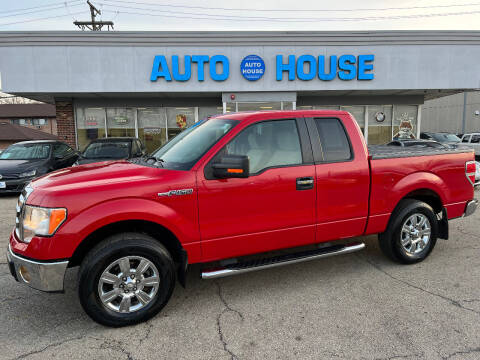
(176, 14)
(39, 19)
(293, 10)
(39, 6)
(37, 11)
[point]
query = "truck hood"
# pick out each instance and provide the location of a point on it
(101, 182)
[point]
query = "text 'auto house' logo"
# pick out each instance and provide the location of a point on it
(252, 67)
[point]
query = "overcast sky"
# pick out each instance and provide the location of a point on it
(245, 14)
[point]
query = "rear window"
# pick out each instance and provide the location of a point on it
(334, 140)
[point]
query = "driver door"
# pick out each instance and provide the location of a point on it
(268, 210)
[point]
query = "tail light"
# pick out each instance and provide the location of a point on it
(470, 168)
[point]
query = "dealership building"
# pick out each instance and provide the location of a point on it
(155, 84)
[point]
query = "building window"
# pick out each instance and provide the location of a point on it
(178, 119)
(39, 122)
(152, 127)
(90, 125)
(379, 124)
(120, 122)
(405, 121)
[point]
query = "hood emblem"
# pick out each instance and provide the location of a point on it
(176, 192)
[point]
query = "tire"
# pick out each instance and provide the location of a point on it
(410, 246)
(130, 299)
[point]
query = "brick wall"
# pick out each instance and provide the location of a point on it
(65, 122)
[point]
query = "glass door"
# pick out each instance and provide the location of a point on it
(152, 127)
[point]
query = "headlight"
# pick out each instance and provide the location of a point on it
(28, 173)
(41, 221)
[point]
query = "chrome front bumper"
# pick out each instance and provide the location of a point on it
(45, 276)
(471, 207)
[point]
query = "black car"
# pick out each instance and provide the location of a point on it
(23, 161)
(114, 148)
(417, 143)
(450, 140)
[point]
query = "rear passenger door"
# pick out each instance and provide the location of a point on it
(342, 178)
(271, 209)
(475, 142)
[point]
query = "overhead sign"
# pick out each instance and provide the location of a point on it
(252, 67)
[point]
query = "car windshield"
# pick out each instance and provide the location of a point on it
(445, 137)
(26, 152)
(107, 150)
(184, 150)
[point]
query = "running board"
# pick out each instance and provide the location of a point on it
(260, 264)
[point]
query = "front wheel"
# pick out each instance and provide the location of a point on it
(126, 279)
(412, 232)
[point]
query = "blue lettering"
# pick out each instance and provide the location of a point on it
(176, 68)
(347, 64)
(201, 60)
(363, 67)
(332, 70)
(160, 69)
(213, 67)
(290, 67)
(312, 64)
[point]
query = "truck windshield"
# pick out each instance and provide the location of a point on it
(184, 150)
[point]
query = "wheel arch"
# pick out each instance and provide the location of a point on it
(159, 232)
(431, 198)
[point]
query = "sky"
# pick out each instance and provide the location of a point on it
(191, 15)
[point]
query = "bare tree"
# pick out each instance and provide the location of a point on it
(12, 99)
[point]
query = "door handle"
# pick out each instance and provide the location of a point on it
(305, 183)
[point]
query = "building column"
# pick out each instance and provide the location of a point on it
(65, 122)
(419, 120)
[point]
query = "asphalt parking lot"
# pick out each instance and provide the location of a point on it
(356, 306)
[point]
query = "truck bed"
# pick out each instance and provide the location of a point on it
(389, 152)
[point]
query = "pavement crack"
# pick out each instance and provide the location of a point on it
(463, 352)
(147, 332)
(446, 298)
(116, 345)
(11, 299)
(393, 357)
(59, 343)
(226, 308)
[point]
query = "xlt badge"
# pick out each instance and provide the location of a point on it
(176, 192)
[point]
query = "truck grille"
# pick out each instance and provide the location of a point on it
(20, 209)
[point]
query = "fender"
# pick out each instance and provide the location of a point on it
(76, 229)
(418, 181)
(388, 198)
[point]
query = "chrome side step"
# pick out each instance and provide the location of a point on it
(240, 268)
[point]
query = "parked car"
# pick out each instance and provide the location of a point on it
(441, 137)
(477, 173)
(24, 161)
(226, 193)
(113, 148)
(417, 143)
(472, 140)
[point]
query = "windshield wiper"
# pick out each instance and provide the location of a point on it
(154, 158)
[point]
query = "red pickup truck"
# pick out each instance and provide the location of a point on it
(230, 192)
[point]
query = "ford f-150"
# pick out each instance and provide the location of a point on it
(230, 193)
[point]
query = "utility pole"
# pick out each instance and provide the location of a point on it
(93, 25)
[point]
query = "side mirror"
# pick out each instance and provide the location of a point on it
(231, 166)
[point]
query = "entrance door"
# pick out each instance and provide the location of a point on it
(259, 106)
(274, 207)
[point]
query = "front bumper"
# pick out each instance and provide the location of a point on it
(45, 276)
(14, 186)
(471, 207)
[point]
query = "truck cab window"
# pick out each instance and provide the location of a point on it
(335, 144)
(268, 144)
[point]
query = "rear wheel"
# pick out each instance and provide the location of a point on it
(126, 279)
(412, 232)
